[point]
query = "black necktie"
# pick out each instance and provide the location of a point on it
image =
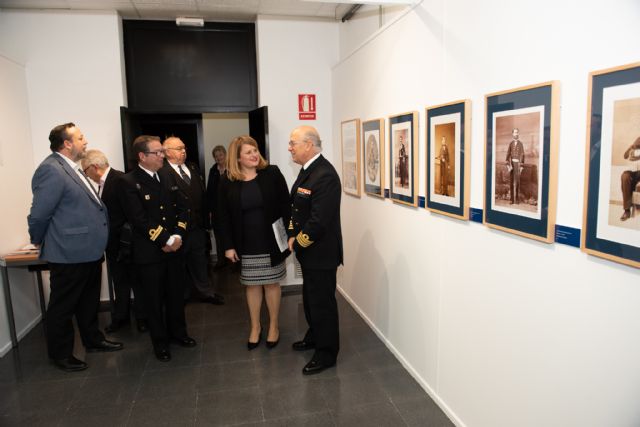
(156, 177)
(184, 175)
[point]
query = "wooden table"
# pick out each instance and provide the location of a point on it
(31, 262)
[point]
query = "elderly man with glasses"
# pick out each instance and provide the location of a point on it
(187, 177)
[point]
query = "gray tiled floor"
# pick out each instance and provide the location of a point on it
(219, 382)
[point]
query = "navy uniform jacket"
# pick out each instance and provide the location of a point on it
(315, 216)
(196, 193)
(275, 197)
(155, 210)
(66, 218)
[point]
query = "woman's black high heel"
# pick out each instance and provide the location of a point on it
(252, 345)
(272, 344)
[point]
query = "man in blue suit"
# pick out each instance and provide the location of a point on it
(70, 225)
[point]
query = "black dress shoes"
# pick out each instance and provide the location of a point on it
(185, 342)
(105, 345)
(303, 346)
(142, 325)
(162, 354)
(315, 367)
(215, 300)
(116, 325)
(70, 364)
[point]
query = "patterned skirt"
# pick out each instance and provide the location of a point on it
(257, 270)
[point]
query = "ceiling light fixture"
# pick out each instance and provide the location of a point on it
(185, 21)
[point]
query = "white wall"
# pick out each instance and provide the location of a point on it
(15, 152)
(364, 24)
(220, 129)
(72, 71)
(295, 57)
(501, 330)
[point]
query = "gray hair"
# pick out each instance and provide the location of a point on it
(96, 158)
(309, 133)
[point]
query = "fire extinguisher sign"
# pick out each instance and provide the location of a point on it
(307, 106)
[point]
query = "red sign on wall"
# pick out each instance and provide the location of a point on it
(307, 106)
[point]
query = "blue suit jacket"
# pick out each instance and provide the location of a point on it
(66, 218)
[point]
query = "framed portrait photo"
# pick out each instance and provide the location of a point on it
(403, 148)
(373, 148)
(611, 217)
(350, 137)
(448, 135)
(521, 155)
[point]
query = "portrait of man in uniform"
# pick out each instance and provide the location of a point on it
(517, 162)
(401, 160)
(444, 159)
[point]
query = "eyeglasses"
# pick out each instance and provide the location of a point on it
(159, 153)
(177, 149)
(292, 143)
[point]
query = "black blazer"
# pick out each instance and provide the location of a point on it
(276, 205)
(315, 216)
(198, 204)
(117, 218)
(155, 210)
(213, 183)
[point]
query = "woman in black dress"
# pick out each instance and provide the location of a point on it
(253, 195)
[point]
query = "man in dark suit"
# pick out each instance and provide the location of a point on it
(157, 212)
(515, 164)
(316, 238)
(96, 165)
(187, 177)
(70, 225)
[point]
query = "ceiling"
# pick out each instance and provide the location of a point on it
(210, 10)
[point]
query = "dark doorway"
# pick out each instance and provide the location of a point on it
(187, 127)
(259, 129)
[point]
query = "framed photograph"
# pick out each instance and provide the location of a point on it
(350, 137)
(448, 136)
(521, 156)
(403, 140)
(611, 219)
(373, 148)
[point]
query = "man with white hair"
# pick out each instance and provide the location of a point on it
(188, 179)
(316, 238)
(96, 165)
